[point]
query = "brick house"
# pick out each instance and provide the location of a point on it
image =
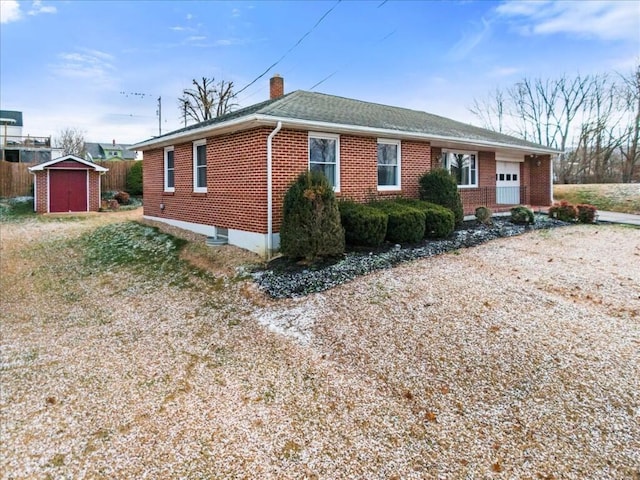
(227, 177)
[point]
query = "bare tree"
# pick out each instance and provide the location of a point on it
(491, 110)
(629, 148)
(206, 100)
(71, 142)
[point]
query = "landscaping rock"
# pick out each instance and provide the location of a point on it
(284, 279)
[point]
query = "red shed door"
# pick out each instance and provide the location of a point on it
(67, 190)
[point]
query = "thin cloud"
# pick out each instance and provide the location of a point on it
(9, 11)
(504, 72)
(37, 8)
(470, 41)
(607, 20)
(85, 64)
(235, 12)
(196, 38)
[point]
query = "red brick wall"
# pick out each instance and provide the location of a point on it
(236, 194)
(41, 191)
(540, 181)
(358, 167)
(94, 191)
(473, 198)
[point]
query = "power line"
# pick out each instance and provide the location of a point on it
(350, 62)
(290, 49)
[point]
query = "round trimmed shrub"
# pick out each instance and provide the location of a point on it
(563, 211)
(311, 227)
(406, 224)
(134, 179)
(439, 220)
(586, 213)
(363, 225)
(522, 216)
(483, 215)
(122, 198)
(440, 187)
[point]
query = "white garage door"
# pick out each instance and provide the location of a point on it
(508, 183)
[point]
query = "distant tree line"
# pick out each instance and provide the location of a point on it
(594, 120)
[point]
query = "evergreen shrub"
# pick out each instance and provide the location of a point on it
(440, 187)
(311, 227)
(363, 225)
(134, 179)
(406, 224)
(522, 215)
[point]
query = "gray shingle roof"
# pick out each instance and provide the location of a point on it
(330, 109)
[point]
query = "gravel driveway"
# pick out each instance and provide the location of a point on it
(519, 358)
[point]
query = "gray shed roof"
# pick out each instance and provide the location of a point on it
(318, 109)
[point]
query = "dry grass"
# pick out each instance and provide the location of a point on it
(614, 197)
(516, 359)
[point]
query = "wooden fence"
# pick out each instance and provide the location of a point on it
(16, 181)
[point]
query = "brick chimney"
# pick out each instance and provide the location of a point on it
(276, 86)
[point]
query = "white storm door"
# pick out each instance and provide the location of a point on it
(508, 183)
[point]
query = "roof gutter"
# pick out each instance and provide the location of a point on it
(270, 188)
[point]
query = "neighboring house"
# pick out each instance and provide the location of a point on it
(108, 151)
(227, 177)
(67, 184)
(17, 148)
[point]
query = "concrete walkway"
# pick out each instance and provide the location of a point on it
(615, 217)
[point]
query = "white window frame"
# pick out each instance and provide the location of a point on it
(165, 169)
(397, 143)
(327, 136)
(447, 165)
(196, 187)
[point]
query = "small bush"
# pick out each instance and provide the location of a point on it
(586, 213)
(311, 227)
(113, 204)
(406, 224)
(483, 215)
(363, 225)
(134, 179)
(440, 187)
(439, 220)
(563, 211)
(522, 216)
(122, 198)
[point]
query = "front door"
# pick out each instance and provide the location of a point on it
(507, 183)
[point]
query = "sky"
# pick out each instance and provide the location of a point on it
(100, 66)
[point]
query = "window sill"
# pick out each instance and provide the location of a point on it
(168, 193)
(463, 187)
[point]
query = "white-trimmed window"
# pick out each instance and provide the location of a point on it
(463, 166)
(169, 170)
(388, 164)
(200, 166)
(324, 156)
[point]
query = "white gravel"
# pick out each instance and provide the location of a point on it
(515, 359)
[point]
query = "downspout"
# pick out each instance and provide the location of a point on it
(270, 189)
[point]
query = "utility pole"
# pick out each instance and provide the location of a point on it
(158, 111)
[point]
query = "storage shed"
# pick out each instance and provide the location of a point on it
(67, 184)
